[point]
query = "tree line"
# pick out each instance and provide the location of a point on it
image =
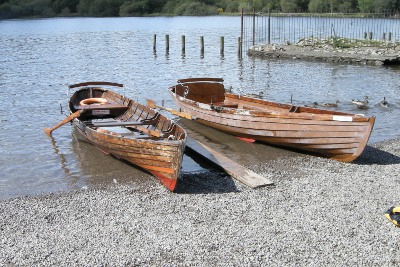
(122, 8)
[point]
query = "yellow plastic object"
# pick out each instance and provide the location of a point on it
(393, 215)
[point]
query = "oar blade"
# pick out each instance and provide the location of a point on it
(74, 115)
(47, 131)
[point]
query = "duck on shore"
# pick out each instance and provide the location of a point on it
(361, 104)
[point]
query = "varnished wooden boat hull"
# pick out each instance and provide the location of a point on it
(160, 156)
(336, 135)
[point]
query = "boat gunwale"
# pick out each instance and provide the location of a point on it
(274, 114)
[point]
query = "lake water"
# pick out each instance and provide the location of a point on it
(39, 58)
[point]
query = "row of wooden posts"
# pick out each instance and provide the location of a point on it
(221, 45)
(388, 36)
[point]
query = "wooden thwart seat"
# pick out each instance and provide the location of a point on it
(117, 123)
(102, 107)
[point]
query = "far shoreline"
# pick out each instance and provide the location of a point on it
(223, 14)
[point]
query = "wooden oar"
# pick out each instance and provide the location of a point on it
(152, 104)
(147, 131)
(74, 115)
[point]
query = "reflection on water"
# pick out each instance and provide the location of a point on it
(98, 168)
(41, 57)
(63, 160)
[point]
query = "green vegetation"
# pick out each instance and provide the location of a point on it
(114, 8)
(344, 43)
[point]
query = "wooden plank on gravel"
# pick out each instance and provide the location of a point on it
(234, 169)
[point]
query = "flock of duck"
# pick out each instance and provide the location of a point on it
(361, 104)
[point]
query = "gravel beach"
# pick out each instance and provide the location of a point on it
(319, 213)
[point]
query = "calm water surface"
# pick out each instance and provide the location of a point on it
(39, 58)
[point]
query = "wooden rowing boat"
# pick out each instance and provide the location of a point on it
(336, 135)
(128, 130)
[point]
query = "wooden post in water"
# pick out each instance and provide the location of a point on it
(167, 43)
(183, 45)
(365, 35)
(221, 46)
(390, 37)
(384, 36)
(202, 45)
(241, 34)
(154, 42)
(254, 27)
(239, 47)
(370, 36)
(269, 27)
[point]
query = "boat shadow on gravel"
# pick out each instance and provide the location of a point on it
(210, 181)
(99, 169)
(373, 155)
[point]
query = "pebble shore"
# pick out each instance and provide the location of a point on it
(319, 213)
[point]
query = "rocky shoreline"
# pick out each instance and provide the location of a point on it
(319, 213)
(367, 55)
